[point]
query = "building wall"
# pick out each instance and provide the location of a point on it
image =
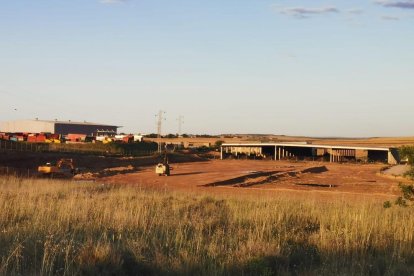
(27, 126)
(34, 126)
(64, 129)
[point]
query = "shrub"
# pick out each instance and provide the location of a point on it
(401, 202)
(387, 204)
(407, 152)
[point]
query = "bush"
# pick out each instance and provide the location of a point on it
(407, 152)
(401, 202)
(407, 191)
(387, 204)
(218, 143)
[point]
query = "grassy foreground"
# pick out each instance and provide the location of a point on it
(50, 227)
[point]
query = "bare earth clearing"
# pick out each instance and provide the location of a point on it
(258, 178)
(241, 177)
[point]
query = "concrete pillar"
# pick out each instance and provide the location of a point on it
(391, 158)
(221, 153)
(275, 153)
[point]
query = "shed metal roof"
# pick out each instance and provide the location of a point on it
(73, 123)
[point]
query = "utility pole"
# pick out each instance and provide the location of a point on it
(180, 120)
(159, 129)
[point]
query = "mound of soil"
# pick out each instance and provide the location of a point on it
(258, 178)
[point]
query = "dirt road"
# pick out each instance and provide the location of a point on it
(398, 170)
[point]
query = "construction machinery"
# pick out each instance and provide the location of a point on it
(163, 168)
(63, 168)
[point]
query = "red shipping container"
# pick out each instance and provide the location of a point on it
(31, 139)
(126, 139)
(41, 139)
(76, 137)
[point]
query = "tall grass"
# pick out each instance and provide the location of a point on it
(53, 227)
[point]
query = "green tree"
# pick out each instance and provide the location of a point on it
(407, 152)
(218, 143)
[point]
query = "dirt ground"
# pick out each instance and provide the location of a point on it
(398, 170)
(193, 174)
(249, 177)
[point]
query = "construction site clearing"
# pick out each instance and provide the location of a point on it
(258, 178)
(205, 173)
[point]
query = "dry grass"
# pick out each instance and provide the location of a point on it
(53, 227)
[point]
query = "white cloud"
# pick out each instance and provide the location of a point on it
(355, 11)
(403, 4)
(112, 1)
(302, 12)
(390, 18)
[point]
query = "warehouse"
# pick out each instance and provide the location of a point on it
(300, 151)
(57, 127)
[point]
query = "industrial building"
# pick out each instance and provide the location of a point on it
(299, 151)
(58, 127)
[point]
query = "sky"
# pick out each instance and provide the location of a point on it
(311, 68)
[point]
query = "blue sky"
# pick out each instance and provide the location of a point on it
(316, 68)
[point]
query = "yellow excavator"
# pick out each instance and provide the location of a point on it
(63, 168)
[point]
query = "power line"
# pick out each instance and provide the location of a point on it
(161, 118)
(180, 120)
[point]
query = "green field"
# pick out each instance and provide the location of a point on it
(66, 228)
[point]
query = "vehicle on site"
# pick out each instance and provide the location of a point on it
(163, 168)
(63, 168)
